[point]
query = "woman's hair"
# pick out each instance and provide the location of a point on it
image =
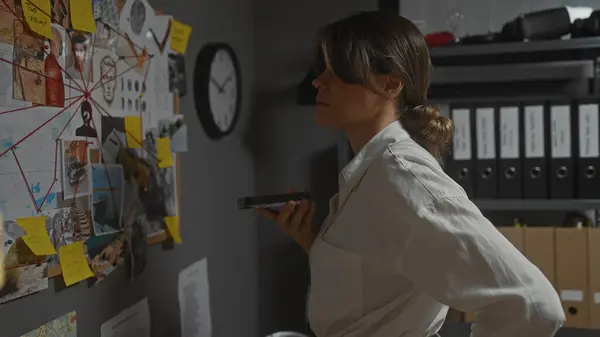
(373, 43)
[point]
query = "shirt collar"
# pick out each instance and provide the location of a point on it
(353, 172)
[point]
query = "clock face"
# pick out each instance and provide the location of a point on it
(223, 90)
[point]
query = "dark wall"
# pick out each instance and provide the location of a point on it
(290, 149)
(213, 176)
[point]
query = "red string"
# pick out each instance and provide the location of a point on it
(86, 95)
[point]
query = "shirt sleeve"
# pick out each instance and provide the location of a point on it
(454, 254)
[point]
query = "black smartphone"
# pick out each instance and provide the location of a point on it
(274, 201)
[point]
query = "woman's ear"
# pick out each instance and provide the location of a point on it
(393, 86)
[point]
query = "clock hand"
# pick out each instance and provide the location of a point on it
(227, 80)
(221, 89)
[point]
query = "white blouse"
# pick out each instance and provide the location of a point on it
(402, 242)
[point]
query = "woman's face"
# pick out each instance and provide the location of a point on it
(341, 105)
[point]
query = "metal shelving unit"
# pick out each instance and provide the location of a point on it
(545, 205)
(519, 72)
(537, 205)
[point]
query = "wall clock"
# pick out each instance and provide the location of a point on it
(217, 89)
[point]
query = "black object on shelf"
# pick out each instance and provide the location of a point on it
(547, 24)
(516, 70)
(587, 27)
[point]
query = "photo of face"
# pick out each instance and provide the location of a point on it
(79, 56)
(137, 17)
(79, 51)
(108, 71)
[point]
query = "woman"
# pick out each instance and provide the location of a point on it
(402, 241)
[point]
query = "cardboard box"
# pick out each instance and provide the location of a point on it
(515, 236)
(594, 284)
(540, 249)
(469, 317)
(572, 275)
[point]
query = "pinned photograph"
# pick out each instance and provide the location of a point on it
(113, 138)
(65, 226)
(79, 60)
(105, 65)
(106, 35)
(176, 129)
(107, 11)
(177, 74)
(138, 248)
(106, 257)
(7, 29)
(107, 198)
(23, 281)
(29, 76)
(159, 199)
(133, 100)
(25, 273)
(6, 76)
(154, 226)
(53, 64)
(135, 19)
(81, 215)
(86, 128)
(110, 124)
(112, 147)
(75, 168)
(60, 12)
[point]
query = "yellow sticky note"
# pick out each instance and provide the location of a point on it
(172, 223)
(36, 236)
(180, 34)
(73, 263)
(37, 16)
(133, 132)
(82, 16)
(163, 152)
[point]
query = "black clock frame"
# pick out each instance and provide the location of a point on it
(201, 89)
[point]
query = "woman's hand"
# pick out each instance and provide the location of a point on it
(296, 220)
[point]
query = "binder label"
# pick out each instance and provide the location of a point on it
(588, 131)
(462, 134)
(486, 145)
(570, 295)
(560, 117)
(534, 131)
(509, 132)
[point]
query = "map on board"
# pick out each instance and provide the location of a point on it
(65, 326)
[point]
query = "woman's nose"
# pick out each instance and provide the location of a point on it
(318, 82)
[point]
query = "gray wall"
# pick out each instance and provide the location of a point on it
(479, 16)
(290, 149)
(213, 175)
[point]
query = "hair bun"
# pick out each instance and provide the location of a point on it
(429, 128)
